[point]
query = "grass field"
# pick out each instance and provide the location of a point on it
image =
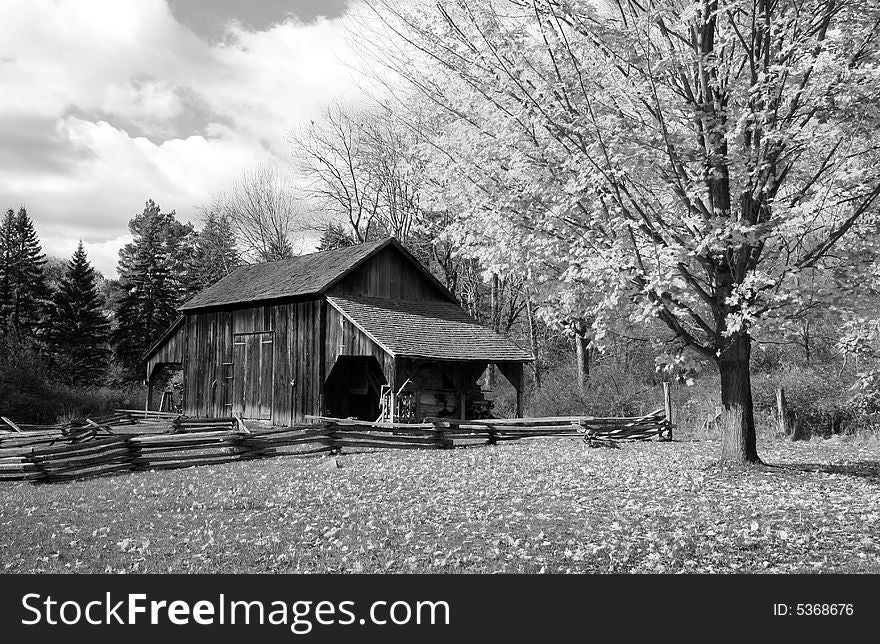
(546, 505)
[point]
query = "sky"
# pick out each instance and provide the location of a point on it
(107, 103)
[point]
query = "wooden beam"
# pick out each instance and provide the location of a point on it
(392, 394)
(519, 390)
(14, 427)
(149, 395)
(462, 395)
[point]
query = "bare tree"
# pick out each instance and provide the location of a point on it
(355, 163)
(264, 211)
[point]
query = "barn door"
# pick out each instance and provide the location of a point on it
(253, 375)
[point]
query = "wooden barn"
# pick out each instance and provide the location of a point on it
(364, 331)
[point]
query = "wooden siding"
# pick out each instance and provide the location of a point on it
(344, 338)
(295, 378)
(172, 351)
(389, 275)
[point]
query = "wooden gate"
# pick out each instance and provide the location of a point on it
(253, 374)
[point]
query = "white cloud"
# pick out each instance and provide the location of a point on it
(107, 103)
(281, 77)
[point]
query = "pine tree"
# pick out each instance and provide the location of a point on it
(7, 236)
(333, 236)
(152, 278)
(22, 279)
(78, 331)
(215, 253)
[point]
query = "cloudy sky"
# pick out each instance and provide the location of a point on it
(108, 103)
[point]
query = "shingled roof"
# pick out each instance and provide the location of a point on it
(430, 330)
(303, 275)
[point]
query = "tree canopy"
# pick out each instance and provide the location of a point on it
(215, 254)
(704, 162)
(152, 278)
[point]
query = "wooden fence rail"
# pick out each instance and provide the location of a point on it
(129, 442)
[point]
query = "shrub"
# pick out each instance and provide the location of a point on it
(618, 386)
(24, 391)
(815, 396)
(612, 391)
(695, 407)
(78, 402)
(864, 403)
(27, 395)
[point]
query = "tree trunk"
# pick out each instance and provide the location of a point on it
(807, 339)
(582, 347)
(533, 339)
(493, 315)
(738, 440)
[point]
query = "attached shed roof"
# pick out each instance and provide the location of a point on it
(430, 330)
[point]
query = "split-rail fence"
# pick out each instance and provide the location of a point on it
(137, 441)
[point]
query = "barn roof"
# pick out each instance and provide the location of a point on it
(304, 275)
(430, 330)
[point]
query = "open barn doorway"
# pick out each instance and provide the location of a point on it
(165, 388)
(353, 388)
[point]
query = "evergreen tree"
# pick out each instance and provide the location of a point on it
(78, 331)
(22, 279)
(7, 236)
(152, 277)
(333, 236)
(215, 253)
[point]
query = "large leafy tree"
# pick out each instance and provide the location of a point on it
(78, 330)
(152, 280)
(703, 162)
(22, 280)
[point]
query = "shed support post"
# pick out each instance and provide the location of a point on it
(514, 373)
(149, 395)
(462, 393)
(393, 384)
(518, 371)
(392, 395)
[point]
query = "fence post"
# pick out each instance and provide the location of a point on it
(667, 405)
(440, 436)
(332, 440)
(780, 411)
